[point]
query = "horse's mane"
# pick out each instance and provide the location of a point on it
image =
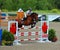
(34, 13)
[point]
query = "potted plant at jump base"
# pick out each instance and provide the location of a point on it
(7, 38)
(52, 35)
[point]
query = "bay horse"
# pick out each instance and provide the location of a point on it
(29, 20)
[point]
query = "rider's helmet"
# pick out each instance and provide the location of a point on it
(30, 9)
(20, 10)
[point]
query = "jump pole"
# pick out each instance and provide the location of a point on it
(16, 40)
(43, 19)
(17, 34)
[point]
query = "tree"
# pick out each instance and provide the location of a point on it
(13, 5)
(57, 3)
(1, 4)
(42, 5)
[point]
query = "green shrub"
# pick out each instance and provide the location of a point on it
(7, 38)
(4, 10)
(52, 35)
(54, 11)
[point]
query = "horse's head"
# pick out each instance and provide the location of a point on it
(34, 16)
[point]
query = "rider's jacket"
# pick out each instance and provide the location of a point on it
(20, 14)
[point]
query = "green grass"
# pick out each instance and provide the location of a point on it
(54, 11)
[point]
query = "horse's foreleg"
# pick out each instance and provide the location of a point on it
(33, 25)
(22, 26)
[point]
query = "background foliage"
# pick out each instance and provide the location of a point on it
(13, 5)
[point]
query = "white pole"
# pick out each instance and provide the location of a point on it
(41, 39)
(17, 34)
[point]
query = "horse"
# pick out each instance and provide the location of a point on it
(29, 20)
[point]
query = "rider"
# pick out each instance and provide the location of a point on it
(29, 11)
(20, 14)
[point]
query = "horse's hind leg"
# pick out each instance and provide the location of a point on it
(31, 26)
